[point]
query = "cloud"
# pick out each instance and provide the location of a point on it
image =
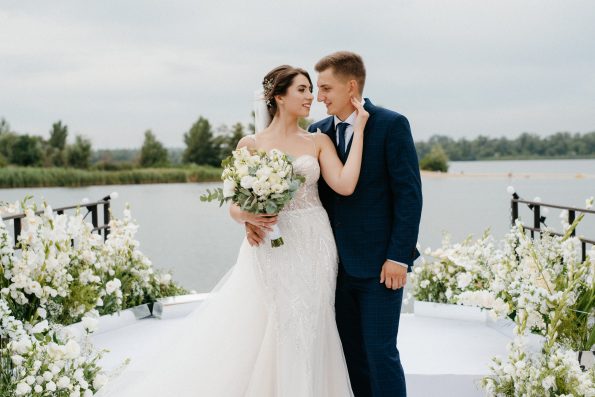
(112, 70)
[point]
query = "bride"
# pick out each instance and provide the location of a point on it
(268, 328)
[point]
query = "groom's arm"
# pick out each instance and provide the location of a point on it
(405, 185)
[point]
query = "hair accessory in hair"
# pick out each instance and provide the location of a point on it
(267, 84)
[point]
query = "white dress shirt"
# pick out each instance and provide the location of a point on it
(348, 136)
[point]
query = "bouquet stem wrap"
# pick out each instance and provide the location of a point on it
(275, 237)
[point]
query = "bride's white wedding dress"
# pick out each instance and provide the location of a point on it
(269, 329)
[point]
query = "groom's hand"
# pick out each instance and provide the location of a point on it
(394, 276)
(254, 234)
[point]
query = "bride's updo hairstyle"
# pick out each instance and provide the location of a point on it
(277, 81)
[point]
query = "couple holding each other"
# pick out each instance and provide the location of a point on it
(318, 316)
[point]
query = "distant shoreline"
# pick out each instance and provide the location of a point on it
(22, 177)
(507, 175)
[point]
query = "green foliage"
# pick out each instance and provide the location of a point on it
(152, 153)
(526, 146)
(4, 126)
(58, 135)
(436, 160)
(55, 147)
(199, 144)
(37, 177)
(26, 151)
(79, 154)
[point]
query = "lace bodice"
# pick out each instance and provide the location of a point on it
(307, 195)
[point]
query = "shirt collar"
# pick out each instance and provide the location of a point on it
(349, 120)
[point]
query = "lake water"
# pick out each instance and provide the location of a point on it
(199, 241)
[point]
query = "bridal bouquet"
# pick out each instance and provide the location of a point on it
(259, 183)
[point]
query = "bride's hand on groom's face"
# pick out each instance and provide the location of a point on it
(361, 117)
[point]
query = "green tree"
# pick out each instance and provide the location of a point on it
(4, 126)
(200, 148)
(58, 135)
(55, 154)
(436, 160)
(26, 151)
(236, 134)
(78, 154)
(7, 140)
(152, 153)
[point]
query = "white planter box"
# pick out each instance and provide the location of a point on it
(113, 321)
(449, 311)
(178, 306)
(586, 359)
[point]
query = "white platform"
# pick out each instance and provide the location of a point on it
(441, 357)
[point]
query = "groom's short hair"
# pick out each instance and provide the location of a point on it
(345, 64)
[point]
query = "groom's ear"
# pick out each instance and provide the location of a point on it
(353, 87)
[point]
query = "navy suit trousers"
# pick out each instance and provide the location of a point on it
(368, 318)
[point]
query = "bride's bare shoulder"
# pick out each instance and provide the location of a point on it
(248, 141)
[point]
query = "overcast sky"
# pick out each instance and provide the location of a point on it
(112, 69)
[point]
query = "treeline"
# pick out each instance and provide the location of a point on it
(204, 146)
(525, 146)
(32, 150)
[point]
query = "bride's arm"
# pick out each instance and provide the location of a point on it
(343, 178)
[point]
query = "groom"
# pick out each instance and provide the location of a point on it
(375, 228)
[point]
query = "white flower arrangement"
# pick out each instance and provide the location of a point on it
(43, 361)
(459, 273)
(63, 273)
(258, 182)
(543, 286)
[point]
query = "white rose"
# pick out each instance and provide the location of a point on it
(55, 351)
(112, 285)
(22, 346)
(463, 280)
(50, 386)
(242, 170)
(264, 172)
(63, 382)
(277, 188)
(40, 327)
(165, 279)
(90, 323)
(229, 188)
(99, 381)
(23, 389)
(41, 312)
(274, 179)
(17, 360)
(247, 182)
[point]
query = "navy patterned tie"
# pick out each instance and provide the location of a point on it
(341, 128)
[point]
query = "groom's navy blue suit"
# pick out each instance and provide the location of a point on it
(379, 221)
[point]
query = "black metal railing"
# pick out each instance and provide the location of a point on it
(539, 219)
(92, 208)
